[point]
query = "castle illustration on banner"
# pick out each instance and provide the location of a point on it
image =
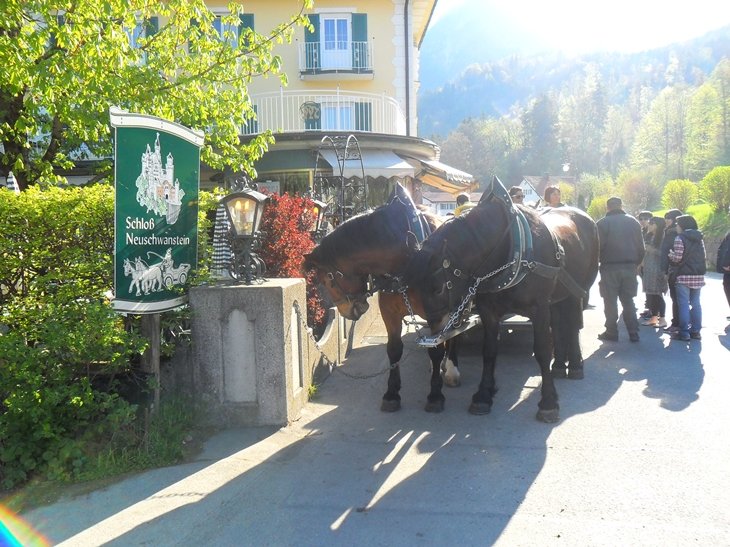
(155, 187)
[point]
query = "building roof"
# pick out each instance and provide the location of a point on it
(445, 197)
(540, 182)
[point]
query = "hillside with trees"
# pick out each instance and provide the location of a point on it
(652, 117)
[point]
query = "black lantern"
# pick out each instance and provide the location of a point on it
(318, 210)
(244, 210)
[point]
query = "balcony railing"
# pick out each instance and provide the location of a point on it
(321, 58)
(325, 110)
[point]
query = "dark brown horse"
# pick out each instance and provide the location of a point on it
(511, 259)
(368, 253)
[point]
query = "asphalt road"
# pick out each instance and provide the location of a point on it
(640, 456)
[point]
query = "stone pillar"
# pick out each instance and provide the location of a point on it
(250, 352)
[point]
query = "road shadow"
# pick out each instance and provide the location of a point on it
(357, 475)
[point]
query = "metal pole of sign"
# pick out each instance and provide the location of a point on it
(150, 326)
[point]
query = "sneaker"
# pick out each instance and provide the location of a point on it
(608, 337)
(651, 322)
(695, 336)
(634, 336)
(661, 323)
(671, 329)
(681, 337)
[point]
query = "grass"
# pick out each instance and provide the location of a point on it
(170, 437)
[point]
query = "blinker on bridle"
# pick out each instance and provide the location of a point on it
(350, 297)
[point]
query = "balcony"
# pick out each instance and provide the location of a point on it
(322, 58)
(290, 111)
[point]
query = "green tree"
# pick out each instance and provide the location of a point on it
(720, 80)
(637, 190)
(715, 188)
(582, 118)
(661, 138)
(541, 148)
(65, 64)
(679, 194)
(704, 130)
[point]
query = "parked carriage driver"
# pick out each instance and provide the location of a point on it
(621, 252)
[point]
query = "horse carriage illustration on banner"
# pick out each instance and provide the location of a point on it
(147, 278)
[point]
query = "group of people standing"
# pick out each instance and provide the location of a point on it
(669, 255)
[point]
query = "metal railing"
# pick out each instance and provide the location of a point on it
(290, 111)
(319, 57)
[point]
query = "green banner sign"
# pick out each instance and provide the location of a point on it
(157, 176)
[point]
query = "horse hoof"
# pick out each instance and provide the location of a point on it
(575, 374)
(390, 406)
(435, 406)
(480, 409)
(548, 416)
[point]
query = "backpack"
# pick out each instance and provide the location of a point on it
(723, 255)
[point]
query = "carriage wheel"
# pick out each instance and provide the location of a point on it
(168, 281)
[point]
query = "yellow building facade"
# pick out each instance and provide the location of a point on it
(349, 112)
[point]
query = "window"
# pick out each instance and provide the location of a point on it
(337, 118)
(339, 42)
(335, 42)
(231, 32)
(227, 32)
(143, 29)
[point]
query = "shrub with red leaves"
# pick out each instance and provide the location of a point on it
(286, 225)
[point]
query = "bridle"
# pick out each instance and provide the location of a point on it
(366, 281)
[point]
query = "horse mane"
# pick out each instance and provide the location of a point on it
(379, 228)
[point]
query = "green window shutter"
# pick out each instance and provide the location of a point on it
(246, 21)
(152, 25)
(360, 41)
(363, 117)
(61, 20)
(194, 25)
(311, 44)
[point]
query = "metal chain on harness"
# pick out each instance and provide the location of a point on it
(332, 366)
(471, 293)
(403, 290)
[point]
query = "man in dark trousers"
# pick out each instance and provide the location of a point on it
(621, 252)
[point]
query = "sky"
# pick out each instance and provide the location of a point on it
(584, 26)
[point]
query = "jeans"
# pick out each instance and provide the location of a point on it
(690, 309)
(619, 284)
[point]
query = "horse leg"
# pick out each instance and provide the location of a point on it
(394, 349)
(481, 401)
(574, 325)
(560, 341)
(435, 400)
(542, 347)
(450, 367)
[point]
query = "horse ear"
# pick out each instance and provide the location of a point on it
(399, 192)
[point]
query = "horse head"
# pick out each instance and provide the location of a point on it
(347, 290)
(373, 245)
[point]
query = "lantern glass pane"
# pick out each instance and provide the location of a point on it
(242, 211)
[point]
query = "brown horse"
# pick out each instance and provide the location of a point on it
(511, 259)
(368, 253)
